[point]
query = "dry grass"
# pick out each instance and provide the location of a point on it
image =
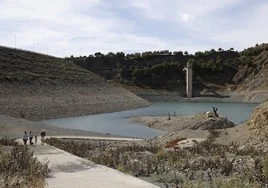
(29, 67)
(19, 168)
(189, 163)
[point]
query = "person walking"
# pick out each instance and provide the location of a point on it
(35, 139)
(25, 138)
(43, 134)
(31, 137)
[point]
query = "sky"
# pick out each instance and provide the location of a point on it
(83, 27)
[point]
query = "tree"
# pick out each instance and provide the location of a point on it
(237, 60)
(98, 54)
(110, 54)
(120, 55)
(192, 61)
(220, 49)
(180, 53)
(118, 66)
(218, 60)
(207, 52)
(247, 61)
(185, 53)
(199, 54)
(130, 56)
(211, 64)
(137, 55)
(158, 69)
(212, 51)
(232, 49)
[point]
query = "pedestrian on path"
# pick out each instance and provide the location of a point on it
(31, 137)
(43, 134)
(25, 138)
(35, 139)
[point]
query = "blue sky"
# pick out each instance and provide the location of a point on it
(83, 27)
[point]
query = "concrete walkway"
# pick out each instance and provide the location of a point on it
(70, 171)
(96, 138)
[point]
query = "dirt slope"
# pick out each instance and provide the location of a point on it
(258, 121)
(36, 86)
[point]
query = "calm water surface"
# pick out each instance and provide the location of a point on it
(117, 123)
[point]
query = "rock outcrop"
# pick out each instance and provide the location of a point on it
(213, 123)
(259, 120)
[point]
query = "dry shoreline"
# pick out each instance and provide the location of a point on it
(14, 128)
(49, 102)
(233, 96)
(184, 127)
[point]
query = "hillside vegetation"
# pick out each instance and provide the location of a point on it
(29, 68)
(36, 86)
(214, 69)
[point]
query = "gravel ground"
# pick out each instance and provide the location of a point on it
(183, 127)
(48, 102)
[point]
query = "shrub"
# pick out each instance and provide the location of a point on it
(265, 166)
(6, 141)
(21, 169)
(134, 80)
(160, 155)
(121, 168)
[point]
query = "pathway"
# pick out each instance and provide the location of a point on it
(70, 171)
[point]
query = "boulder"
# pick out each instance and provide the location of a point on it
(210, 114)
(213, 123)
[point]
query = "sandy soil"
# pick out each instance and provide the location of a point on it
(176, 123)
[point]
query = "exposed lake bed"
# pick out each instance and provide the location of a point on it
(118, 123)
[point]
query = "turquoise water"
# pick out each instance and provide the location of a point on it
(117, 123)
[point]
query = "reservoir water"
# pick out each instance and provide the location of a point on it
(117, 123)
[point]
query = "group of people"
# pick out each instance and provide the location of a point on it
(29, 136)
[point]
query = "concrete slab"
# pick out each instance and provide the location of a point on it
(96, 138)
(70, 171)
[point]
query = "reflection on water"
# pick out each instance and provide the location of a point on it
(117, 123)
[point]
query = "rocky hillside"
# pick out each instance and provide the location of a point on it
(258, 121)
(36, 86)
(254, 76)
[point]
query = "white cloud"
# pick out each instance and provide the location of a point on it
(97, 25)
(185, 17)
(67, 27)
(219, 23)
